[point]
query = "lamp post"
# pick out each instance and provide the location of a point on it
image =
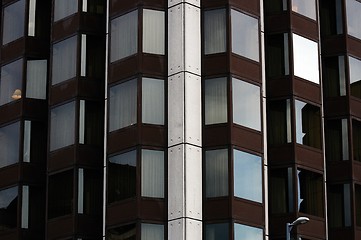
(298, 221)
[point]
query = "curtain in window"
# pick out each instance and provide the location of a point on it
(124, 36)
(215, 97)
(215, 31)
(11, 81)
(152, 101)
(217, 173)
(64, 8)
(152, 173)
(152, 231)
(14, 18)
(64, 60)
(123, 105)
(36, 79)
(9, 144)
(153, 31)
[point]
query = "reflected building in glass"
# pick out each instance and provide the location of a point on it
(189, 120)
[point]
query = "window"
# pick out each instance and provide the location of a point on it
(339, 205)
(277, 59)
(9, 144)
(216, 162)
(8, 208)
(152, 231)
(331, 18)
(124, 36)
(36, 79)
(14, 19)
(152, 173)
(279, 122)
(305, 51)
(337, 140)
(306, 8)
(246, 104)
(123, 105)
(353, 14)
(247, 169)
(217, 231)
(356, 136)
(90, 123)
(275, 6)
(126, 232)
(334, 78)
(245, 35)
(355, 79)
(247, 232)
(25, 207)
(308, 124)
(281, 190)
(34, 145)
(11, 82)
(215, 26)
(153, 101)
(64, 60)
(91, 53)
(64, 8)
(62, 126)
(122, 176)
(90, 194)
(93, 6)
(153, 31)
(215, 98)
(60, 194)
(358, 204)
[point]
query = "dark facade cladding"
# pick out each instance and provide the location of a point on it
(194, 119)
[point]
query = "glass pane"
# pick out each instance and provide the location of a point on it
(355, 76)
(152, 232)
(358, 204)
(64, 60)
(8, 208)
(248, 169)
(90, 123)
(281, 194)
(336, 140)
(308, 124)
(152, 173)
(246, 104)
(62, 126)
(25, 207)
(14, 19)
(83, 55)
(153, 101)
(126, 232)
(27, 141)
(153, 31)
(334, 78)
(356, 137)
(9, 144)
(305, 57)
(36, 78)
(247, 232)
(215, 98)
(306, 8)
(277, 55)
(123, 105)
(279, 122)
(217, 231)
(90, 192)
(216, 173)
(245, 35)
(124, 36)
(275, 6)
(353, 14)
(64, 8)
(11, 82)
(122, 176)
(31, 24)
(81, 191)
(331, 17)
(215, 31)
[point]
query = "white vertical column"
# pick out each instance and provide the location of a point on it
(184, 121)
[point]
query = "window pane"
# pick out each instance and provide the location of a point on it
(356, 136)
(11, 82)
(25, 207)
(123, 105)
(248, 169)
(153, 101)
(9, 144)
(358, 204)
(245, 39)
(334, 78)
(127, 232)
(353, 14)
(355, 76)
(305, 57)
(306, 8)
(279, 122)
(36, 73)
(90, 123)
(216, 173)
(215, 31)
(152, 231)
(62, 126)
(277, 55)
(64, 8)
(217, 231)
(124, 36)
(152, 173)
(281, 190)
(8, 208)
(275, 6)
(122, 176)
(308, 124)
(31, 24)
(247, 232)
(153, 31)
(339, 209)
(60, 194)
(14, 18)
(64, 60)
(90, 192)
(336, 140)
(331, 17)
(94, 6)
(215, 97)
(27, 141)
(246, 104)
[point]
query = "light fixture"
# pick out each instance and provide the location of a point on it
(298, 221)
(17, 94)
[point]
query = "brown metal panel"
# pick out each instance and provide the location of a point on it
(91, 156)
(9, 175)
(35, 109)
(153, 135)
(217, 208)
(125, 211)
(122, 139)
(304, 26)
(277, 23)
(65, 27)
(357, 233)
(123, 69)
(335, 45)
(12, 234)
(337, 106)
(10, 111)
(340, 233)
(307, 90)
(309, 157)
(356, 171)
(216, 135)
(355, 107)
(63, 91)
(62, 158)
(89, 226)
(245, 68)
(152, 209)
(247, 138)
(33, 173)
(94, 23)
(279, 87)
(316, 227)
(248, 212)
(13, 50)
(213, 3)
(249, 6)
(153, 65)
(215, 64)
(340, 171)
(354, 46)
(280, 155)
(120, 6)
(60, 227)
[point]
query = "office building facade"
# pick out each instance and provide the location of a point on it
(180, 119)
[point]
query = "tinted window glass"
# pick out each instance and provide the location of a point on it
(11, 82)
(9, 144)
(14, 19)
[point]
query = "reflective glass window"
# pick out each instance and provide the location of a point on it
(152, 173)
(153, 101)
(353, 15)
(90, 123)
(125, 232)
(358, 204)
(153, 31)
(247, 232)
(64, 8)
(215, 98)
(217, 231)
(14, 21)
(339, 205)
(247, 169)
(336, 140)
(277, 55)
(279, 122)
(334, 77)
(275, 6)
(11, 82)
(152, 231)
(90, 192)
(305, 58)
(281, 190)
(8, 208)
(331, 17)
(245, 35)
(93, 6)
(60, 194)
(356, 140)
(216, 162)
(246, 104)
(355, 76)
(36, 79)
(215, 31)
(9, 144)
(306, 8)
